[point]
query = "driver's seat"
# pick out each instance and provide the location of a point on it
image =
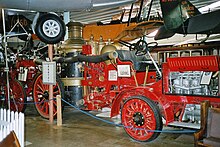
(140, 62)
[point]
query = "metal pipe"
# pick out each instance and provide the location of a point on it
(129, 17)
(81, 58)
(6, 59)
(140, 11)
(90, 59)
(218, 83)
(148, 15)
(122, 15)
(155, 64)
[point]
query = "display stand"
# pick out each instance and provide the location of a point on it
(50, 55)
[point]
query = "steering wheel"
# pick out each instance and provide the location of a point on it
(141, 46)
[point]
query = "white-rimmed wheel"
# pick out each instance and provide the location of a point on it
(50, 28)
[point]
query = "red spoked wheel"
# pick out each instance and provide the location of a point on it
(141, 117)
(41, 95)
(18, 97)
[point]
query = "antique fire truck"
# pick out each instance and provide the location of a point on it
(132, 84)
(25, 83)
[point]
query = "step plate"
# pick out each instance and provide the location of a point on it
(185, 125)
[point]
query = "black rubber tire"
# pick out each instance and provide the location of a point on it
(44, 37)
(158, 118)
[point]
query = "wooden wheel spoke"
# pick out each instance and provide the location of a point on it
(55, 87)
(17, 95)
(40, 87)
(55, 103)
(42, 106)
(55, 93)
(142, 115)
(54, 111)
(42, 101)
(41, 94)
(132, 107)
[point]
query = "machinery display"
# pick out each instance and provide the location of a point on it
(16, 92)
(143, 102)
(133, 85)
(130, 83)
(26, 85)
(145, 94)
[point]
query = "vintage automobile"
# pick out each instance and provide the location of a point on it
(132, 85)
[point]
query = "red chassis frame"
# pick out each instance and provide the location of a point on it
(34, 87)
(101, 91)
(142, 106)
(104, 93)
(32, 71)
(158, 91)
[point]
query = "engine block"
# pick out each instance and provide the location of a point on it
(193, 83)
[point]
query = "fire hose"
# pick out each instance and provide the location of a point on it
(81, 58)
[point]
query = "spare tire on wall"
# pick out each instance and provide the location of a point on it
(50, 28)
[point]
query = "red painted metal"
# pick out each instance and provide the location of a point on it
(16, 89)
(41, 97)
(138, 118)
(86, 49)
(200, 63)
(33, 87)
(112, 93)
(32, 71)
(17, 96)
(102, 90)
(106, 91)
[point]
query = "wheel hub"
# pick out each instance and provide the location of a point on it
(51, 28)
(46, 94)
(138, 119)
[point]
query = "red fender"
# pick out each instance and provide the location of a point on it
(153, 92)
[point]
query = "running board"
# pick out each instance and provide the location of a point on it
(185, 125)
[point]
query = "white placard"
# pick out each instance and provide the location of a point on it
(49, 73)
(22, 75)
(112, 75)
(206, 77)
(124, 71)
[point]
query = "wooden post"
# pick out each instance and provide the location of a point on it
(203, 117)
(59, 111)
(135, 78)
(146, 73)
(50, 55)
